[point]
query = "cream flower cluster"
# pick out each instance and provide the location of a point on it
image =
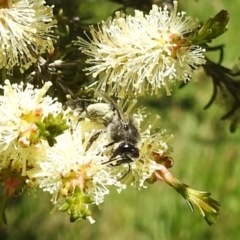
(77, 160)
(141, 54)
(20, 108)
(77, 155)
(26, 28)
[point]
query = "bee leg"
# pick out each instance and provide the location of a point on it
(125, 174)
(92, 139)
(109, 145)
(110, 162)
(119, 160)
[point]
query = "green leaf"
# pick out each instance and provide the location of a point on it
(3, 206)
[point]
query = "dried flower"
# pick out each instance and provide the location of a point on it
(205, 205)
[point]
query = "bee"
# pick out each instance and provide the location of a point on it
(124, 134)
(120, 128)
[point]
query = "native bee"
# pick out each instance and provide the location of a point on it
(124, 134)
(120, 128)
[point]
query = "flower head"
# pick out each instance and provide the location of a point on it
(207, 207)
(25, 32)
(77, 170)
(21, 141)
(139, 55)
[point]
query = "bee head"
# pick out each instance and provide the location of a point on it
(124, 153)
(122, 130)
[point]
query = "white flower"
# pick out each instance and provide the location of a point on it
(146, 165)
(20, 108)
(139, 55)
(80, 159)
(73, 161)
(26, 28)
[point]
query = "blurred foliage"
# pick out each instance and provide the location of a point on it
(206, 155)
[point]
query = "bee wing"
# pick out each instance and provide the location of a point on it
(108, 99)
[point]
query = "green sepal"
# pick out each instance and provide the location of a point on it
(64, 207)
(51, 127)
(213, 28)
(77, 205)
